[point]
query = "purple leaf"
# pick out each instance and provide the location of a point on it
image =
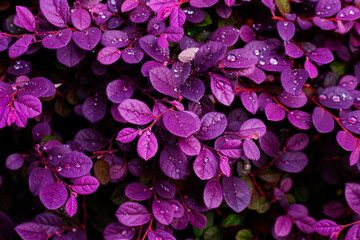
(135, 112)
(251, 150)
(138, 191)
(229, 35)
(56, 12)
(164, 81)
(40, 130)
(14, 161)
(354, 156)
(132, 55)
(91, 139)
(49, 222)
(115, 38)
(197, 220)
(190, 145)
(179, 211)
(239, 58)
(297, 142)
(348, 13)
(213, 194)
(213, 124)
(252, 128)
(108, 55)
(236, 193)
(321, 56)
(128, 5)
(177, 17)
(87, 39)
(224, 166)
(323, 23)
(173, 162)
(247, 34)
(250, 101)
(352, 196)
(81, 19)
(53, 195)
(29, 105)
(207, 55)
(139, 14)
(73, 165)
(292, 50)
(194, 15)
(346, 140)
(325, 227)
(322, 120)
(70, 55)
(94, 108)
(193, 89)
(162, 211)
(222, 89)
(57, 40)
(150, 45)
(173, 34)
(38, 178)
(232, 148)
(293, 80)
(327, 8)
(119, 90)
(202, 3)
(20, 46)
(350, 121)
(300, 119)
(274, 112)
(283, 225)
(71, 206)
(292, 162)
(160, 234)
(165, 189)
(205, 165)
(132, 214)
(31, 231)
(286, 184)
(293, 101)
(305, 224)
(286, 30)
(26, 18)
(297, 210)
(269, 143)
(311, 68)
(181, 124)
(353, 233)
(38, 87)
(85, 185)
(349, 82)
(147, 145)
(127, 135)
(116, 230)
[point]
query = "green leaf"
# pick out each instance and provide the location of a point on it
(49, 138)
(258, 202)
(101, 171)
(213, 233)
(207, 21)
(244, 234)
(339, 67)
(270, 175)
(62, 108)
(283, 6)
(301, 193)
(233, 220)
(118, 196)
(231, 21)
(210, 221)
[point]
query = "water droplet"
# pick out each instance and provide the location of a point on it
(336, 98)
(220, 84)
(231, 58)
(125, 89)
(77, 165)
(171, 157)
(123, 232)
(273, 61)
(162, 211)
(322, 97)
(262, 62)
(352, 120)
(257, 52)
(58, 156)
(176, 89)
(351, 12)
(287, 162)
(204, 129)
(58, 169)
(342, 15)
(67, 166)
(206, 159)
(235, 191)
(177, 170)
(286, 23)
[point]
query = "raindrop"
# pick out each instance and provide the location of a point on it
(204, 129)
(231, 58)
(273, 61)
(77, 165)
(336, 98)
(171, 157)
(206, 159)
(257, 52)
(58, 169)
(322, 97)
(177, 170)
(352, 120)
(220, 84)
(67, 166)
(262, 62)
(351, 12)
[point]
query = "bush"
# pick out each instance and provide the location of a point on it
(198, 119)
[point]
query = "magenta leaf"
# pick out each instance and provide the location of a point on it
(352, 196)
(116, 230)
(205, 165)
(108, 55)
(14, 161)
(38, 87)
(350, 121)
(189, 145)
(138, 191)
(197, 219)
(173, 162)
(162, 211)
(349, 82)
(132, 214)
(194, 15)
(127, 135)
(250, 101)
(173, 34)
(74, 164)
(49, 222)
(177, 17)
(269, 143)
(274, 112)
(55, 11)
(232, 148)
(29, 105)
(283, 225)
(88, 38)
(180, 124)
(354, 156)
(297, 210)
(165, 189)
(292, 80)
(229, 35)
(53, 195)
(38, 178)
(252, 128)
(348, 13)
(326, 227)
(322, 120)
(327, 8)
(114, 38)
(346, 140)
(292, 162)
(81, 19)
(164, 81)
(202, 3)
(94, 108)
(286, 30)
(70, 55)
(71, 206)
(321, 56)
(57, 40)
(300, 119)
(311, 68)
(26, 18)
(147, 145)
(128, 5)
(150, 45)
(353, 233)
(213, 195)
(292, 101)
(119, 90)
(292, 50)
(31, 230)
(305, 224)
(85, 185)
(251, 150)
(224, 166)
(135, 112)
(160, 234)
(139, 14)
(132, 55)
(236, 193)
(20, 46)
(213, 124)
(193, 89)
(297, 142)
(222, 89)
(207, 55)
